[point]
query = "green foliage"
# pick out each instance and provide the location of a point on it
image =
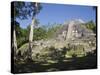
(44, 33)
(21, 35)
(91, 25)
(39, 33)
(24, 9)
(52, 30)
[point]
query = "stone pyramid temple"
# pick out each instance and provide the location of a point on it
(74, 29)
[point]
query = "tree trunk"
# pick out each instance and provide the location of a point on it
(31, 31)
(14, 41)
(31, 38)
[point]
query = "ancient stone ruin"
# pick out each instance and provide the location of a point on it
(73, 36)
(75, 29)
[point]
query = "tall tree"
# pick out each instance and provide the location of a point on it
(14, 41)
(36, 11)
(23, 10)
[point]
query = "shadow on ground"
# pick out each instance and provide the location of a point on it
(75, 63)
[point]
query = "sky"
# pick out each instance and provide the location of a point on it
(61, 13)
